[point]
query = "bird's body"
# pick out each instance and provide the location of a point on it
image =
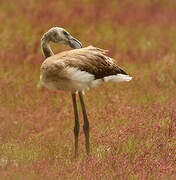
(76, 70)
(80, 69)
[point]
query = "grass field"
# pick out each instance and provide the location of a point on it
(132, 125)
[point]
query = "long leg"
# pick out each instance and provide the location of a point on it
(76, 128)
(86, 122)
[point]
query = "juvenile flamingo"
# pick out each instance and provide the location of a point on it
(76, 70)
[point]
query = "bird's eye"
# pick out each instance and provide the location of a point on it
(65, 33)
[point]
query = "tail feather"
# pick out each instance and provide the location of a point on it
(117, 78)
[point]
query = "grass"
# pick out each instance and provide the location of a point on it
(132, 125)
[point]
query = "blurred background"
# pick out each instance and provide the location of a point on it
(141, 31)
(132, 124)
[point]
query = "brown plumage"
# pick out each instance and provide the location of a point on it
(90, 59)
(77, 70)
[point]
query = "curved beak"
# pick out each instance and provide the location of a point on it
(74, 43)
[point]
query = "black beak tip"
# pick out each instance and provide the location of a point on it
(75, 44)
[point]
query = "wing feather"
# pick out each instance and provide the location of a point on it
(90, 59)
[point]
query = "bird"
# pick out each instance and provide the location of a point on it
(76, 70)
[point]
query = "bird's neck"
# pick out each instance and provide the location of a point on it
(46, 47)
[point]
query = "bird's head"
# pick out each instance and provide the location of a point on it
(61, 36)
